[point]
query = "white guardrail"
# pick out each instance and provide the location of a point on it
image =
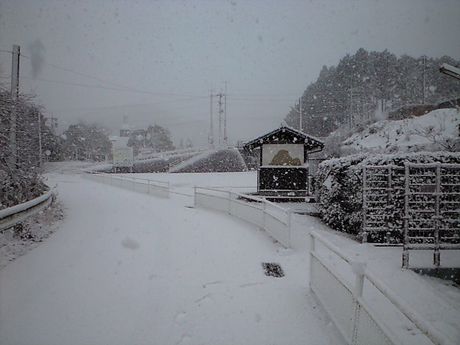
(366, 312)
(16, 214)
(265, 214)
(156, 188)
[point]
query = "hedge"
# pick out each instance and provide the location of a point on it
(339, 187)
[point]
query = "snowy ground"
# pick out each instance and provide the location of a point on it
(432, 131)
(129, 268)
(17, 241)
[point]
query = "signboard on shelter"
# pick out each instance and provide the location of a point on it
(282, 154)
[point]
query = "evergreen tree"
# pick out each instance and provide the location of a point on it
(349, 93)
(86, 142)
(159, 138)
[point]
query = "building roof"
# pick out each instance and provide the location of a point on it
(286, 135)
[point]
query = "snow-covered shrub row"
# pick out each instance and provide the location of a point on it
(19, 177)
(160, 164)
(226, 160)
(19, 186)
(339, 187)
(152, 165)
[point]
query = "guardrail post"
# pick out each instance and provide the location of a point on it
(358, 269)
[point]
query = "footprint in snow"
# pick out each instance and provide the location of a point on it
(129, 243)
(185, 339)
(180, 318)
(205, 285)
(203, 298)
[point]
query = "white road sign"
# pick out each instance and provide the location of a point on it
(123, 156)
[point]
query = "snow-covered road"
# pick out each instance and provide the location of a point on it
(128, 268)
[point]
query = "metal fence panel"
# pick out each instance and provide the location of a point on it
(432, 208)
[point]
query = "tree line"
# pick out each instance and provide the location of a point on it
(366, 84)
(37, 141)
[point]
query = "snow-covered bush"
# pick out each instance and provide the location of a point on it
(19, 186)
(225, 160)
(339, 186)
(20, 180)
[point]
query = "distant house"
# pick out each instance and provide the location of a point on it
(283, 154)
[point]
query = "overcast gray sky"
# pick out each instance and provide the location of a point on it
(155, 61)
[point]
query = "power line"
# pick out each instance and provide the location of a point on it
(186, 97)
(111, 88)
(77, 84)
(121, 106)
(269, 99)
(119, 87)
(263, 94)
(260, 99)
(100, 80)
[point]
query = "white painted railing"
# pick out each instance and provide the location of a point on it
(147, 186)
(265, 214)
(364, 311)
(17, 214)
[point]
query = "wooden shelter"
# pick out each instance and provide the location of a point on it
(283, 155)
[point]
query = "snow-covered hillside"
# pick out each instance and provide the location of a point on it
(437, 130)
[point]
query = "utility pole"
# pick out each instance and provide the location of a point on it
(221, 112)
(424, 79)
(351, 109)
(300, 114)
(39, 139)
(14, 95)
(211, 125)
(225, 116)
